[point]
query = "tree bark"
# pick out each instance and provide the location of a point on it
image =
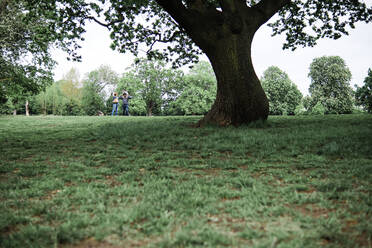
(27, 109)
(149, 107)
(149, 111)
(44, 105)
(240, 98)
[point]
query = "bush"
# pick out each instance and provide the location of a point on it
(318, 109)
(300, 109)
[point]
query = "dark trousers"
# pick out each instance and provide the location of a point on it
(126, 110)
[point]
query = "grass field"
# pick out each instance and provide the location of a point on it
(160, 182)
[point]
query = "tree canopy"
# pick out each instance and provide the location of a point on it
(142, 24)
(282, 93)
(25, 62)
(330, 84)
(363, 94)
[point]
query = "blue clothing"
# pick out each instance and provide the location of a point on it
(115, 108)
(115, 105)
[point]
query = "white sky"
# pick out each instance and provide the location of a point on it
(355, 49)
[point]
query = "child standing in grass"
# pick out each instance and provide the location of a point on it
(125, 98)
(115, 103)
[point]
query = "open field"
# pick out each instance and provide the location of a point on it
(159, 182)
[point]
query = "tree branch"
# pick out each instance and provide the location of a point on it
(107, 25)
(232, 5)
(268, 8)
(178, 12)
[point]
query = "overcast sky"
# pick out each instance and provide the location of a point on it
(355, 49)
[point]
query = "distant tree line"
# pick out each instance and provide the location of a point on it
(159, 90)
(156, 90)
(330, 90)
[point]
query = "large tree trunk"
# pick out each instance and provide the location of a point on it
(240, 98)
(225, 35)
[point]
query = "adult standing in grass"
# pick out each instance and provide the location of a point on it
(115, 103)
(125, 98)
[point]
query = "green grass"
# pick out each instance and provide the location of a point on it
(160, 182)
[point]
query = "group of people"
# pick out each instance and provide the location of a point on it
(125, 103)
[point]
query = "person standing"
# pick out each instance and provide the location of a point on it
(115, 103)
(125, 100)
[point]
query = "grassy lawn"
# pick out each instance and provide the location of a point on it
(159, 182)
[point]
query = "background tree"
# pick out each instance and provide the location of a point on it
(61, 98)
(17, 104)
(25, 38)
(91, 100)
(98, 87)
(70, 87)
(197, 94)
(363, 94)
(330, 85)
(153, 83)
(6, 108)
(105, 80)
(225, 36)
(282, 93)
(14, 103)
(39, 103)
(54, 99)
(307, 102)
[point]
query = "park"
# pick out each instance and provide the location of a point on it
(212, 156)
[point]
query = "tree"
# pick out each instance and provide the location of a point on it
(40, 102)
(330, 85)
(25, 62)
(17, 104)
(153, 83)
(70, 87)
(92, 101)
(282, 93)
(198, 92)
(104, 80)
(51, 100)
(363, 94)
(61, 98)
(98, 86)
(70, 84)
(222, 29)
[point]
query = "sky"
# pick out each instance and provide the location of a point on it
(355, 49)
